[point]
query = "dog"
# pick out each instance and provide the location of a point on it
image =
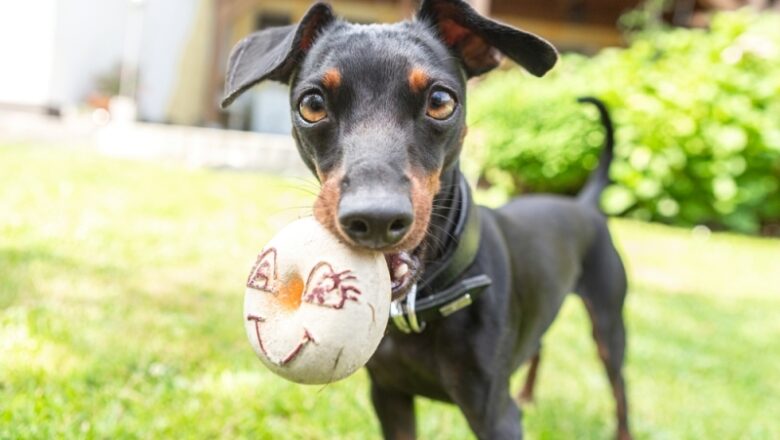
(378, 115)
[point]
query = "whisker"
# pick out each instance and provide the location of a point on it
(291, 208)
(439, 241)
(442, 230)
(298, 188)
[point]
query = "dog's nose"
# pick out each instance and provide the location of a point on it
(376, 222)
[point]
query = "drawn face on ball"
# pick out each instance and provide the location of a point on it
(324, 287)
(314, 309)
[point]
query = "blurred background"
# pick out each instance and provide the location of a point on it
(131, 208)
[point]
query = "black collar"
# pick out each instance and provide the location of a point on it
(442, 290)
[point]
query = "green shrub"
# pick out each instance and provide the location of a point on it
(697, 115)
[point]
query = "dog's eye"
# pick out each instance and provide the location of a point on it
(312, 107)
(441, 105)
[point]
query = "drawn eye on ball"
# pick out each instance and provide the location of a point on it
(328, 288)
(263, 273)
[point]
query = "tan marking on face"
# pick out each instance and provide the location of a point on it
(331, 79)
(327, 204)
(425, 185)
(418, 79)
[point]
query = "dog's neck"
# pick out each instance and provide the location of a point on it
(444, 215)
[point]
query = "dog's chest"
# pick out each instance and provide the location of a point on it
(407, 363)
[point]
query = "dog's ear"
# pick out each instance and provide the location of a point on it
(273, 53)
(480, 42)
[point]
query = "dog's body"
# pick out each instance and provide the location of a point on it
(536, 250)
(379, 117)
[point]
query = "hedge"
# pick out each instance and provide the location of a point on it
(698, 125)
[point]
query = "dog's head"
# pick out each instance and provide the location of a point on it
(378, 111)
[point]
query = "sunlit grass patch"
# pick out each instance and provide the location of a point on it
(32, 354)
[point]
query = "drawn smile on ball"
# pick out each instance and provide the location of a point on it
(307, 337)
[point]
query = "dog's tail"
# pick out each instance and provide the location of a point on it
(599, 179)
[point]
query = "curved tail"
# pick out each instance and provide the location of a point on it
(590, 194)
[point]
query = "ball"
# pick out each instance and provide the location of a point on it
(315, 310)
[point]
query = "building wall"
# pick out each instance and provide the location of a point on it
(53, 51)
(186, 99)
(88, 43)
(27, 48)
(168, 25)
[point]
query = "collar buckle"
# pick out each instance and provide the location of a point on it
(457, 304)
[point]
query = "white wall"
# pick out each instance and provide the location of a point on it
(89, 41)
(167, 26)
(53, 51)
(27, 31)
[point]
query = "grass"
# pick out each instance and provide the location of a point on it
(120, 317)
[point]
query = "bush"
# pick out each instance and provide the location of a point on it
(698, 125)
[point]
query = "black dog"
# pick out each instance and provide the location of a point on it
(379, 117)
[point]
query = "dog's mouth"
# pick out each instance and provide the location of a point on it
(403, 268)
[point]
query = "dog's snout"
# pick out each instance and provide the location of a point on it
(376, 222)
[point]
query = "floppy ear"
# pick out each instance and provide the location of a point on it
(272, 53)
(480, 42)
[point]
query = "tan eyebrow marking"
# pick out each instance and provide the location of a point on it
(331, 79)
(418, 79)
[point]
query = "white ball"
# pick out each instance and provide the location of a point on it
(314, 309)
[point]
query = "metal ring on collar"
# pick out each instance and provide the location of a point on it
(397, 314)
(410, 312)
(403, 313)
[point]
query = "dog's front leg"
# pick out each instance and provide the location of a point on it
(395, 411)
(489, 410)
(480, 389)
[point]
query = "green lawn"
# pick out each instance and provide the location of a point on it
(121, 288)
